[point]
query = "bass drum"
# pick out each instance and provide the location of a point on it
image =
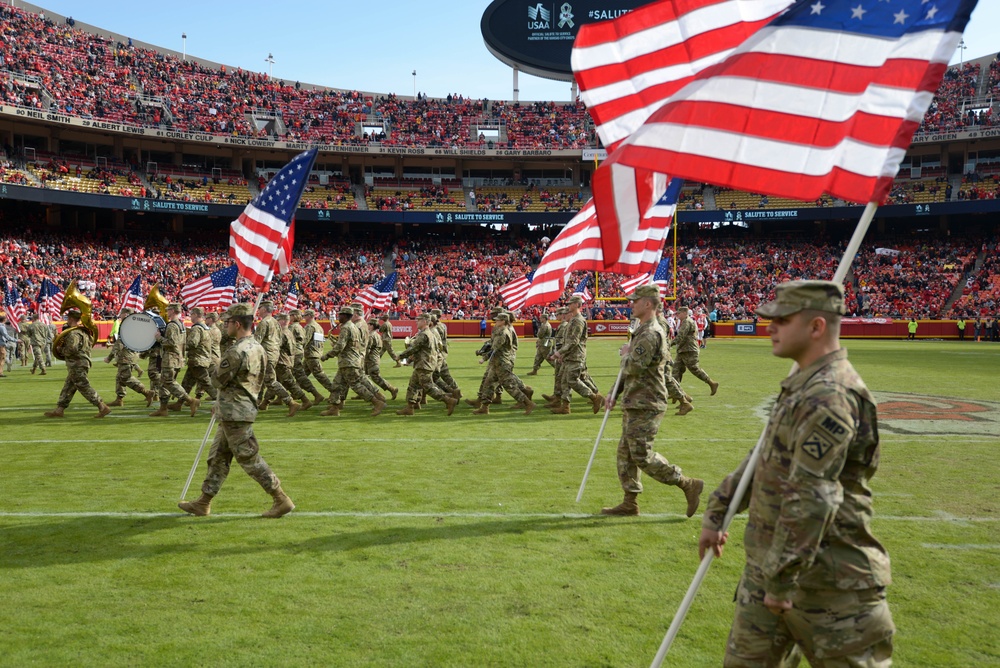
(138, 331)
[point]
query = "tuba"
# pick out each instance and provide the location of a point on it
(75, 298)
(156, 300)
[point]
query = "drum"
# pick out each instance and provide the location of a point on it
(138, 331)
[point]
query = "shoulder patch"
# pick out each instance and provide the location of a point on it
(224, 364)
(639, 350)
(832, 426)
(817, 444)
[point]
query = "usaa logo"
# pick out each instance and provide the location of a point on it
(539, 18)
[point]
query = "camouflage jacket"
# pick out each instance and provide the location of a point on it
(172, 345)
(348, 348)
(122, 355)
(574, 343)
(504, 352)
(199, 345)
(810, 501)
(215, 337)
(269, 337)
(239, 379)
(422, 351)
(374, 352)
(38, 333)
(75, 348)
(312, 343)
(687, 337)
(286, 351)
(298, 338)
(362, 328)
(385, 332)
(442, 332)
(544, 335)
(643, 386)
(666, 331)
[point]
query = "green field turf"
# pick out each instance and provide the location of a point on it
(437, 541)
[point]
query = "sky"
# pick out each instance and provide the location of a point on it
(369, 46)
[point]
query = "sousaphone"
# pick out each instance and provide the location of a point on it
(75, 299)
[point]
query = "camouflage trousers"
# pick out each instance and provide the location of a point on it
(674, 389)
(36, 351)
(351, 378)
(272, 387)
(832, 628)
(689, 362)
(198, 376)
(587, 380)
(125, 380)
(302, 376)
(47, 349)
(153, 373)
(374, 373)
(635, 451)
(314, 367)
(504, 376)
(387, 350)
(541, 355)
(236, 439)
(570, 380)
(169, 387)
(422, 382)
(444, 379)
(287, 380)
(77, 381)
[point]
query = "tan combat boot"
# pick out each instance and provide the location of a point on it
(42, 369)
(293, 408)
(332, 411)
(199, 508)
(408, 410)
(150, 395)
(176, 406)
(450, 403)
(549, 397)
(318, 398)
(194, 402)
(378, 404)
(475, 403)
(684, 408)
(161, 411)
(597, 401)
(533, 372)
(629, 506)
(58, 411)
(692, 492)
(306, 404)
(484, 409)
(394, 391)
(715, 386)
(398, 364)
(457, 393)
(497, 399)
(102, 410)
(529, 407)
(117, 403)
(262, 406)
(561, 409)
(282, 504)
(529, 391)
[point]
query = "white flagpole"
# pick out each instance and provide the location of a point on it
(838, 277)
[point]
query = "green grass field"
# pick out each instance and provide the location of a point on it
(437, 541)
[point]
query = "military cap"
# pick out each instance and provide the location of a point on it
(502, 315)
(239, 310)
(495, 310)
(197, 310)
(281, 316)
(562, 310)
(424, 316)
(683, 309)
(384, 316)
(346, 310)
(576, 299)
(309, 313)
(72, 313)
(267, 304)
(372, 322)
(357, 310)
(212, 314)
(436, 311)
(650, 291)
(127, 312)
(295, 313)
(795, 296)
(176, 306)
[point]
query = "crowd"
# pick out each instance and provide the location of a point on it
(981, 294)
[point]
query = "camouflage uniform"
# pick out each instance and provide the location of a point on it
(501, 367)
(385, 334)
(125, 360)
(286, 361)
(171, 351)
(422, 352)
(269, 336)
(198, 345)
(38, 337)
(372, 366)
(443, 376)
(543, 346)
(215, 334)
(573, 350)
(674, 390)
(312, 344)
(687, 352)
(48, 343)
(299, 371)
(75, 348)
(350, 361)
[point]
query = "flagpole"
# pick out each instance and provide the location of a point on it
(194, 467)
(838, 277)
(600, 433)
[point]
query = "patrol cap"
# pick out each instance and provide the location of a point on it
(495, 310)
(282, 317)
(562, 310)
(502, 315)
(295, 313)
(372, 322)
(683, 309)
(212, 314)
(649, 291)
(309, 313)
(239, 310)
(795, 296)
(436, 311)
(197, 310)
(384, 316)
(357, 310)
(424, 316)
(346, 310)
(33, 316)
(267, 304)
(175, 306)
(70, 313)
(576, 299)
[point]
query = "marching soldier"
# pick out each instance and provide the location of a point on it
(215, 337)
(198, 347)
(572, 352)
(286, 360)
(172, 359)
(554, 400)
(674, 390)
(385, 333)
(125, 361)
(443, 376)
(644, 400)
(299, 371)
(312, 344)
(422, 353)
(350, 361)
(240, 379)
(687, 350)
(23, 349)
(48, 343)
(38, 336)
(501, 368)
(75, 347)
(543, 345)
(372, 357)
(268, 334)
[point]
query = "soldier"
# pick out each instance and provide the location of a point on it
(385, 333)
(543, 345)
(501, 368)
(443, 376)
(554, 400)
(24, 345)
(674, 390)
(422, 353)
(38, 336)
(687, 350)
(372, 356)
(4, 342)
(215, 337)
(268, 334)
(239, 380)
(815, 575)
(644, 400)
(350, 361)
(75, 347)
(125, 360)
(172, 359)
(572, 352)
(488, 386)
(299, 371)
(312, 345)
(198, 347)
(48, 343)
(286, 360)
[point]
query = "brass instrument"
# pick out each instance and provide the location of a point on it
(75, 298)
(157, 300)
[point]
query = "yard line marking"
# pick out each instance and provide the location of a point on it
(965, 546)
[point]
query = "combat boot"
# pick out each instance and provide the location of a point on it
(529, 391)
(520, 405)
(378, 404)
(293, 408)
(561, 409)
(394, 391)
(533, 372)
(597, 401)
(484, 409)
(32, 370)
(715, 387)
(102, 410)
(629, 506)
(497, 399)
(398, 364)
(529, 407)
(692, 492)
(176, 406)
(684, 408)
(554, 402)
(318, 398)
(117, 403)
(457, 393)
(58, 411)
(450, 403)
(199, 508)
(416, 405)
(306, 404)
(407, 410)
(423, 399)
(333, 410)
(194, 403)
(150, 395)
(161, 411)
(282, 504)
(42, 369)
(549, 397)
(475, 403)
(262, 406)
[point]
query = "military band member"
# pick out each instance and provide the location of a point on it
(38, 336)
(643, 394)
(171, 360)
(572, 352)
(312, 346)
(422, 353)
(385, 333)
(501, 369)
(373, 355)
(687, 350)
(268, 334)
(299, 371)
(543, 345)
(75, 347)
(350, 364)
(125, 361)
(198, 347)
(815, 576)
(239, 381)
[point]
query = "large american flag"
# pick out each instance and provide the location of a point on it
(132, 298)
(378, 296)
(824, 99)
(50, 297)
(515, 293)
(660, 277)
(13, 306)
(292, 299)
(264, 227)
(212, 292)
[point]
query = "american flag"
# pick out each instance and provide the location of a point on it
(263, 230)
(13, 306)
(292, 300)
(213, 292)
(660, 277)
(582, 289)
(378, 296)
(515, 293)
(50, 297)
(132, 298)
(824, 99)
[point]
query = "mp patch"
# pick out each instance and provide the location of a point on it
(817, 444)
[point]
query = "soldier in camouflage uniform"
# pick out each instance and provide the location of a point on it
(299, 371)
(286, 361)
(543, 345)
(687, 350)
(358, 320)
(643, 393)
(350, 354)
(198, 347)
(373, 355)
(38, 336)
(48, 343)
(125, 361)
(501, 369)
(75, 347)
(385, 333)
(268, 334)
(572, 352)
(443, 376)
(239, 381)
(422, 353)
(554, 400)
(815, 575)
(674, 389)
(215, 333)
(312, 346)
(171, 360)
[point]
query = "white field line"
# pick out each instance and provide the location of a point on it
(965, 546)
